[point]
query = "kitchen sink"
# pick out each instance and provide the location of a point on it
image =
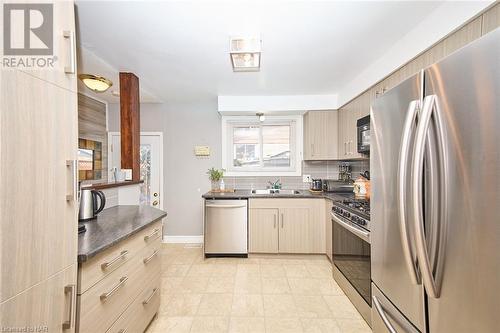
(275, 191)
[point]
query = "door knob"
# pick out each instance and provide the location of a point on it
(155, 203)
(155, 194)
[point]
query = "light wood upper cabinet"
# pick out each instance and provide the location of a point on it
(286, 226)
(263, 230)
(348, 130)
(320, 135)
(46, 305)
(491, 19)
(38, 235)
(63, 73)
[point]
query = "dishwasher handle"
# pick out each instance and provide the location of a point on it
(226, 206)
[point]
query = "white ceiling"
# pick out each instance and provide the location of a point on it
(179, 49)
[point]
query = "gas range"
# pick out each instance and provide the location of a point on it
(356, 211)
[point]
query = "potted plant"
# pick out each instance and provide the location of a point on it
(215, 175)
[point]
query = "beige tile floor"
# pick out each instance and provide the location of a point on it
(258, 294)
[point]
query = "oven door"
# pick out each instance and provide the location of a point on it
(351, 255)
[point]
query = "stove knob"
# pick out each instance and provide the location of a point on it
(362, 222)
(355, 219)
(347, 214)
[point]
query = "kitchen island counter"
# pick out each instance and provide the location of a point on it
(114, 225)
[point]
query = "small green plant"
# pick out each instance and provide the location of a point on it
(215, 174)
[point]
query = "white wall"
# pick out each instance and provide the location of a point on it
(184, 125)
(446, 18)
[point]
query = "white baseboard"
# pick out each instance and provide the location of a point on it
(183, 239)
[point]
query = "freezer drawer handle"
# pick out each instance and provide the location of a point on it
(382, 315)
(364, 235)
(404, 154)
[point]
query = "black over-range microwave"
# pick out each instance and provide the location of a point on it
(363, 125)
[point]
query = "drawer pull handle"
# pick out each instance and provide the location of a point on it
(107, 295)
(155, 232)
(70, 289)
(106, 265)
(147, 300)
(148, 259)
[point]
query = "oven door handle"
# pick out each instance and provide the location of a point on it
(363, 234)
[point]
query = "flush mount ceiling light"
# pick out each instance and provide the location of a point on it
(245, 53)
(261, 116)
(95, 83)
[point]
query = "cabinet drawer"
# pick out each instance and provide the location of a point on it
(102, 304)
(139, 314)
(104, 263)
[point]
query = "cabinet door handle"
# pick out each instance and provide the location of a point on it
(71, 69)
(349, 147)
(110, 293)
(69, 324)
(74, 185)
(312, 149)
(281, 220)
(146, 238)
(106, 265)
(345, 148)
(274, 221)
(148, 259)
(147, 300)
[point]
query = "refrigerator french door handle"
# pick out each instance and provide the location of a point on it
(430, 105)
(382, 315)
(404, 155)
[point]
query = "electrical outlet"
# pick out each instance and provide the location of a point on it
(306, 178)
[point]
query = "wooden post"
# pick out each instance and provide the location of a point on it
(130, 128)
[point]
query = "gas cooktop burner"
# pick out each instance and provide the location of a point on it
(361, 205)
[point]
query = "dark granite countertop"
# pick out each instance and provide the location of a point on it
(114, 225)
(246, 194)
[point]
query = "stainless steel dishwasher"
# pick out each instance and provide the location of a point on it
(226, 228)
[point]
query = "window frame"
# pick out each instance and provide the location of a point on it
(296, 145)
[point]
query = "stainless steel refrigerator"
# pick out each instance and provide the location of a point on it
(435, 166)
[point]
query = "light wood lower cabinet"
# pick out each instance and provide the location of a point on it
(286, 226)
(263, 230)
(45, 307)
(329, 229)
(127, 297)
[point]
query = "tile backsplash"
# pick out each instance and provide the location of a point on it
(317, 169)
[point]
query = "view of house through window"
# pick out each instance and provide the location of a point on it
(261, 146)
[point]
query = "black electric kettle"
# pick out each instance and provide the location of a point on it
(88, 204)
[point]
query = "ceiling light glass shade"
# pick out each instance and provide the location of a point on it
(245, 53)
(245, 62)
(95, 83)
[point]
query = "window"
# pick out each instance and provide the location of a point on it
(262, 148)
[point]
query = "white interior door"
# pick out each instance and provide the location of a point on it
(151, 165)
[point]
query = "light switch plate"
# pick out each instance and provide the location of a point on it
(306, 178)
